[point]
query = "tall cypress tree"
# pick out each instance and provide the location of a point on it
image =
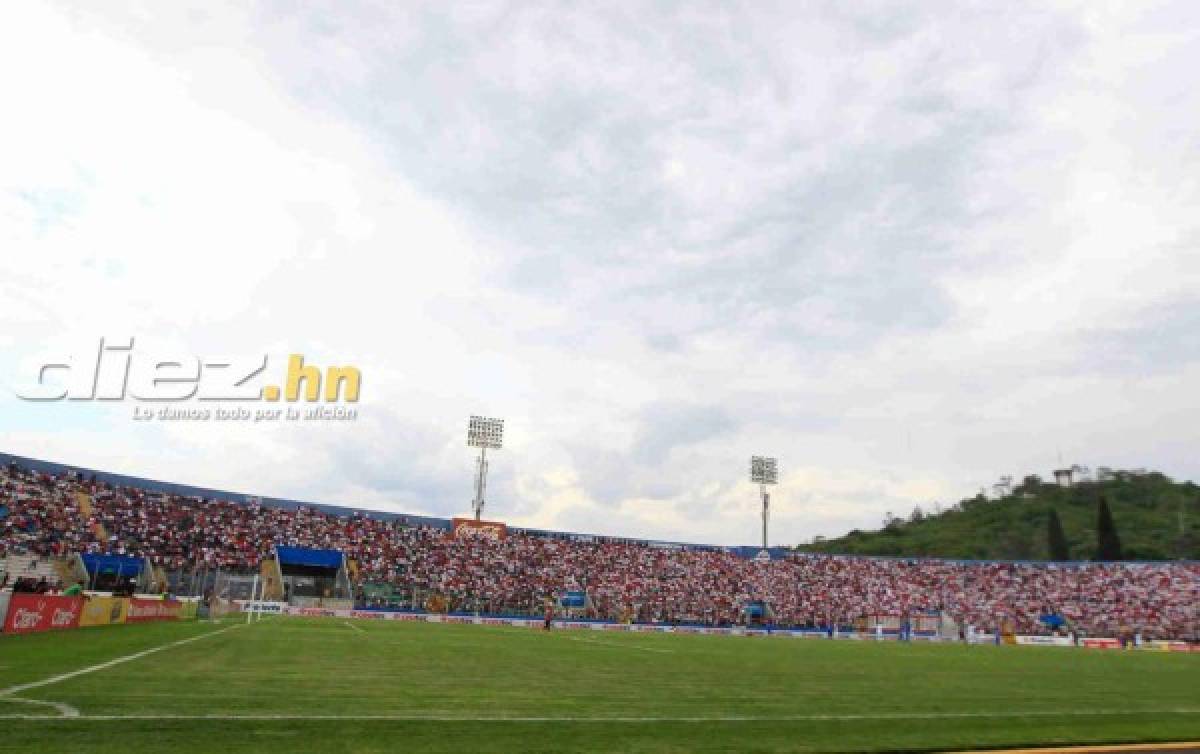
(1056, 539)
(1108, 544)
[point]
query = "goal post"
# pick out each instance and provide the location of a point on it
(231, 592)
(252, 605)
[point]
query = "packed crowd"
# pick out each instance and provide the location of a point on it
(622, 579)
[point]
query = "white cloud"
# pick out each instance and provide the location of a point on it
(905, 251)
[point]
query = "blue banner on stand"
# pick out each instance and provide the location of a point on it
(573, 599)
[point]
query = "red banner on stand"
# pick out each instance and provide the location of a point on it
(28, 613)
(469, 527)
(144, 611)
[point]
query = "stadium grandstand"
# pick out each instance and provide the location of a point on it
(62, 525)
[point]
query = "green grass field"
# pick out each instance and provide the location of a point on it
(333, 685)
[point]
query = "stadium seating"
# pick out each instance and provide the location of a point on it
(37, 569)
(622, 577)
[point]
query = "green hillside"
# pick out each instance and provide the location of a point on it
(1146, 508)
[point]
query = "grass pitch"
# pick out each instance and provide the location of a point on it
(304, 685)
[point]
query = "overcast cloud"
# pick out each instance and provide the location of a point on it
(906, 250)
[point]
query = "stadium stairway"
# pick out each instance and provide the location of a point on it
(271, 580)
(159, 581)
(70, 570)
(86, 508)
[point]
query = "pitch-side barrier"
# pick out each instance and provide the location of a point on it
(609, 626)
(22, 613)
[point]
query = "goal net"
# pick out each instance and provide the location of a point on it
(230, 592)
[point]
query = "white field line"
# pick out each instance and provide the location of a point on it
(348, 624)
(64, 710)
(416, 717)
(67, 710)
(537, 633)
(619, 645)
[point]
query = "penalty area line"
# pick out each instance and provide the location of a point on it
(66, 710)
(618, 645)
(540, 634)
(619, 719)
(348, 624)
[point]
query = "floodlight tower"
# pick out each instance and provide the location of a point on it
(483, 433)
(764, 471)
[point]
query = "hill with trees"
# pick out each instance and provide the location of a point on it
(1129, 515)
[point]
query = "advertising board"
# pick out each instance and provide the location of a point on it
(29, 613)
(104, 611)
(469, 527)
(146, 611)
(261, 606)
(1046, 641)
(1093, 643)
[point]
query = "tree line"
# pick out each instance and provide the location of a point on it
(1108, 541)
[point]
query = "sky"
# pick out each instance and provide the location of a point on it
(904, 248)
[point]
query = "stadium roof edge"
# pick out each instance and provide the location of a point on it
(186, 490)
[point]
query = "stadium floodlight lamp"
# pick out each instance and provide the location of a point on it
(764, 470)
(483, 433)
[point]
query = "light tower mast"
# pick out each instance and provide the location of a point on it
(764, 471)
(483, 433)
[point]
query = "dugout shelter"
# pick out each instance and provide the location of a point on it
(314, 578)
